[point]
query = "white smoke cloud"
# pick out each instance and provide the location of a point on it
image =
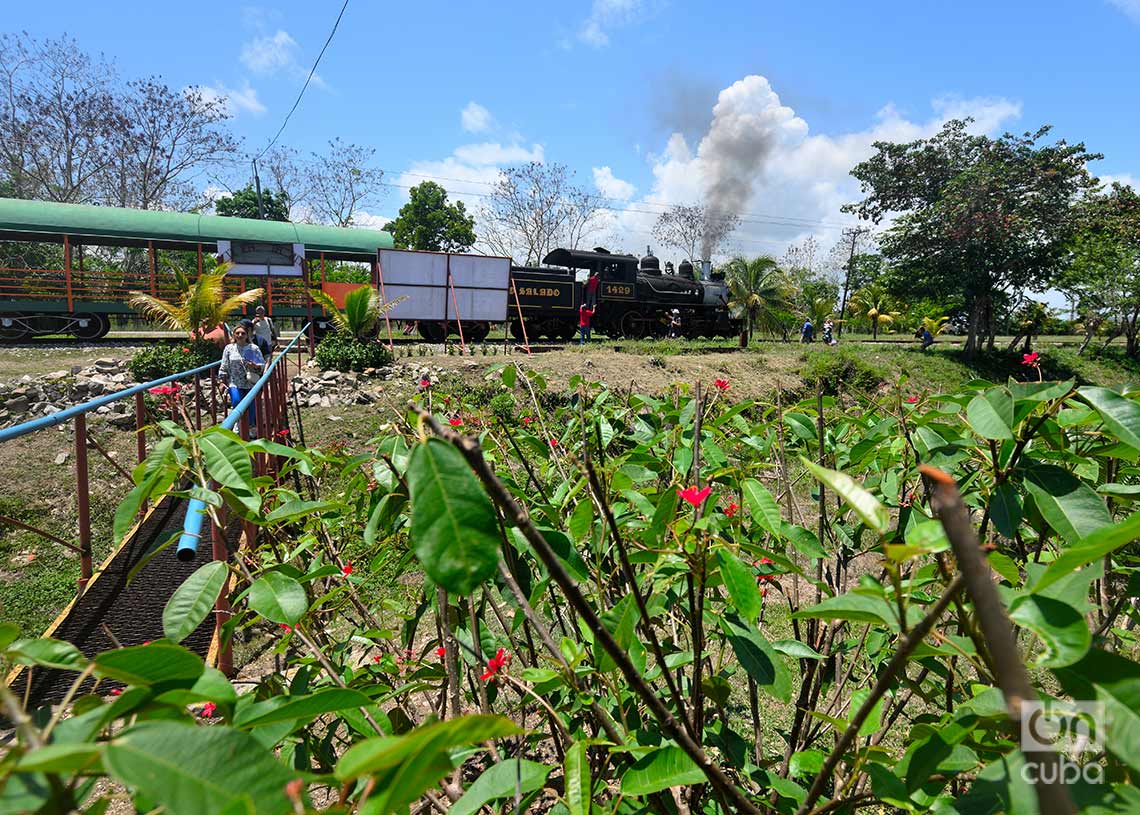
(785, 182)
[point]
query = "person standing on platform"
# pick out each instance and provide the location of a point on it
(264, 332)
(584, 315)
(592, 283)
(242, 363)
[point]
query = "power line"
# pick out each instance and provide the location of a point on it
(308, 79)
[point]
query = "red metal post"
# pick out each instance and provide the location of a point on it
(213, 396)
(84, 496)
(384, 299)
(197, 402)
(153, 265)
(307, 271)
(67, 271)
(455, 302)
(140, 423)
(522, 323)
(199, 260)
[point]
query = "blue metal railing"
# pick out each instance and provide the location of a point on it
(15, 431)
(196, 510)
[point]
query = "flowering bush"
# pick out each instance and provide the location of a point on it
(165, 359)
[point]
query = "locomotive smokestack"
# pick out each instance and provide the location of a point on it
(706, 269)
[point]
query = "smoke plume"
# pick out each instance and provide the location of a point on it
(748, 121)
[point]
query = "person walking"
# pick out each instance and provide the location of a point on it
(807, 332)
(584, 315)
(828, 339)
(242, 362)
(927, 338)
(264, 331)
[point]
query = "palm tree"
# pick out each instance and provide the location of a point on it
(818, 309)
(362, 310)
(935, 325)
(201, 306)
(758, 291)
(875, 303)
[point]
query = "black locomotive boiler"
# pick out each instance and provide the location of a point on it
(635, 298)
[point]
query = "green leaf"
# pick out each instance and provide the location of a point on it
(126, 514)
(1069, 505)
(761, 505)
(306, 708)
(581, 520)
(797, 649)
(61, 758)
(226, 460)
(192, 601)
(991, 414)
(1061, 628)
(9, 633)
(1113, 680)
(741, 585)
(150, 664)
(1119, 414)
(279, 598)
(858, 608)
(455, 534)
(806, 763)
(501, 781)
(759, 659)
(193, 770)
(874, 719)
(665, 767)
(576, 775)
(1005, 510)
(866, 506)
(296, 509)
(1100, 543)
(46, 652)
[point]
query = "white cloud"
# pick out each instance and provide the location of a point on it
(475, 118)
(609, 14)
(369, 220)
(274, 54)
(1129, 7)
(798, 186)
(468, 173)
(611, 186)
(235, 100)
(1108, 179)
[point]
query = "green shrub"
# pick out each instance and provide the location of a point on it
(835, 369)
(343, 352)
(503, 406)
(165, 359)
(343, 273)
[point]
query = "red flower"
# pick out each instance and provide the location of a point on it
(455, 422)
(526, 420)
(377, 658)
(1030, 359)
(208, 710)
(496, 664)
(293, 789)
(425, 383)
(731, 509)
(910, 400)
(554, 442)
(764, 592)
(346, 569)
(283, 432)
(116, 691)
(186, 350)
(721, 385)
(765, 561)
(441, 652)
(694, 496)
(288, 628)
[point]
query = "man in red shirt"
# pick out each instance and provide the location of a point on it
(584, 315)
(592, 283)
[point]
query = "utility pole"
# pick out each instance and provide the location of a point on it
(854, 234)
(257, 186)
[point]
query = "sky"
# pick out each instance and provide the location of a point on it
(649, 102)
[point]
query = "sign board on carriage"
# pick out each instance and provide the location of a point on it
(480, 285)
(263, 259)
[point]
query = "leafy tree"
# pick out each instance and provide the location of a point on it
(362, 310)
(201, 305)
(758, 290)
(243, 204)
(429, 223)
(1103, 269)
(978, 216)
(876, 304)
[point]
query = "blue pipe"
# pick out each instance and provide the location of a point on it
(15, 431)
(196, 509)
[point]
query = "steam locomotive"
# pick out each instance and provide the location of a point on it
(635, 298)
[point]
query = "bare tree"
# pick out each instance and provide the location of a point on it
(802, 257)
(58, 118)
(341, 181)
(288, 175)
(535, 208)
(694, 230)
(169, 136)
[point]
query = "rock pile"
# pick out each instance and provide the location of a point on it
(31, 397)
(317, 388)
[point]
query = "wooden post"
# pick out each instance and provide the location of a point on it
(379, 275)
(67, 271)
(83, 494)
(153, 264)
(522, 323)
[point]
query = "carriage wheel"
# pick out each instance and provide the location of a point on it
(431, 330)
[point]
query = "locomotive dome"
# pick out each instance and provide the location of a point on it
(649, 264)
(686, 269)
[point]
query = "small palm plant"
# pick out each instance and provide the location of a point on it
(935, 325)
(875, 303)
(201, 306)
(757, 291)
(362, 310)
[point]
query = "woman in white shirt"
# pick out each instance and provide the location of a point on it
(242, 364)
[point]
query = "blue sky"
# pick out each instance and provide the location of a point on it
(623, 91)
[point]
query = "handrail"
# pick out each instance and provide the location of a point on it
(15, 431)
(195, 510)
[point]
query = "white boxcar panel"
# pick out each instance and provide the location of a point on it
(480, 272)
(480, 304)
(480, 284)
(423, 303)
(401, 267)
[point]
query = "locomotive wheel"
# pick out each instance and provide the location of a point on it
(12, 328)
(477, 332)
(632, 325)
(516, 330)
(97, 326)
(431, 330)
(567, 330)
